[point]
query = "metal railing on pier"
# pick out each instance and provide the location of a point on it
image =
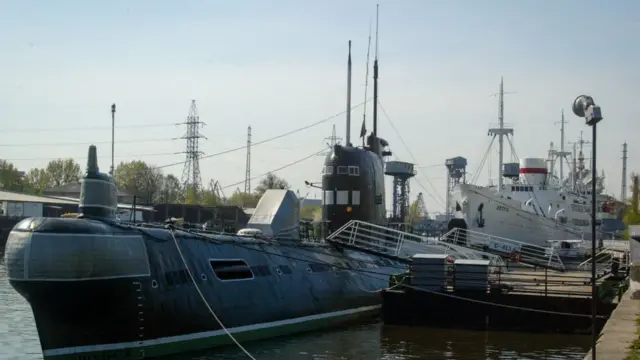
(515, 251)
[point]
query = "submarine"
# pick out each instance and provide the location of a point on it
(102, 288)
(353, 177)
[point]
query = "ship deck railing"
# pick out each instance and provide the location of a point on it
(514, 250)
(392, 242)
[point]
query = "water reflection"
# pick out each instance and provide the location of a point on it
(430, 343)
(376, 341)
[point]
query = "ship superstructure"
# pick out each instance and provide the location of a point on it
(531, 203)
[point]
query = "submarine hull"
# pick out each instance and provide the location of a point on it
(98, 291)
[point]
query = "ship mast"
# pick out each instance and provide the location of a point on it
(500, 132)
(562, 155)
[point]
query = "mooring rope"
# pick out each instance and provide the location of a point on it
(204, 300)
(382, 289)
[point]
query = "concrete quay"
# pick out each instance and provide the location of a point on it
(619, 332)
(621, 328)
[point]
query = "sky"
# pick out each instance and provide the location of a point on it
(280, 65)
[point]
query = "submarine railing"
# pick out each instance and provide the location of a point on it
(514, 250)
(384, 240)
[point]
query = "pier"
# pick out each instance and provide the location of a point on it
(474, 294)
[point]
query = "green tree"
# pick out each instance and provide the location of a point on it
(37, 180)
(632, 213)
(416, 211)
(63, 171)
(11, 179)
(243, 199)
(271, 181)
(211, 196)
(311, 212)
(138, 178)
(191, 196)
(171, 190)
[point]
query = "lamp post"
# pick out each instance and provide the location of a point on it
(113, 125)
(584, 106)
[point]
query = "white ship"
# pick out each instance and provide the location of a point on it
(531, 204)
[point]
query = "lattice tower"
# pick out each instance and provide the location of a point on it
(191, 179)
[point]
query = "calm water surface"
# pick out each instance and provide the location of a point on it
(19, 341)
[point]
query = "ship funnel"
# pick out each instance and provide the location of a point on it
(98, 193)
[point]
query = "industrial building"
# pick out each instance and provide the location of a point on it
(72, 190)
(18, 205)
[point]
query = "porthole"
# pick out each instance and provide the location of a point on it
(154, 284)
(309, 270)
(203, 277)
(278, 271)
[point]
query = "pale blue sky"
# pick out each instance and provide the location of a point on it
(278, 65)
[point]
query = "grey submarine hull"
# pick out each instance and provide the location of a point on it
(100, 291)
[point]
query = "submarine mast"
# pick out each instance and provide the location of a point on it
(348, 135)
(375, 85)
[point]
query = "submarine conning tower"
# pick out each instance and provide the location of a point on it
(353, 184)
(98, 193)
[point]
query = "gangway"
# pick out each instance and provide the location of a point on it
(515, 251)
(394, 243)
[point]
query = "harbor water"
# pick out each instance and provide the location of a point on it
(19, 341)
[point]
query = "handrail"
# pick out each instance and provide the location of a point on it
(402, 244)
(517, 250)
(604, 259)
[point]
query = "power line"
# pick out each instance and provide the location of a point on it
(99, 157)
(85, 143)
(277, 169)
(440, 202)
(243, 147)
(85, 128)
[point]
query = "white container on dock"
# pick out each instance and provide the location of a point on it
(471, 274)
(429, 271)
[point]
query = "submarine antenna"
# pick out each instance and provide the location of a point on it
(363, 129)
(348, 137)
(375, 82)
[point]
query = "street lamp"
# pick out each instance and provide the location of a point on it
(584, 106)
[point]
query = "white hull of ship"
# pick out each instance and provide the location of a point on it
(505, 218)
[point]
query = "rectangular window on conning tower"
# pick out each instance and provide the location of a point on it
(355, 197)
(327, 170)
(327, 199)
(354, 171)
(342, 170)
(342, 197)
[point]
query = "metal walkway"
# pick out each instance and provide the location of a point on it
(515, 251)
(386, 241)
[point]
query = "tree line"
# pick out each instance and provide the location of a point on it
(137, 178)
